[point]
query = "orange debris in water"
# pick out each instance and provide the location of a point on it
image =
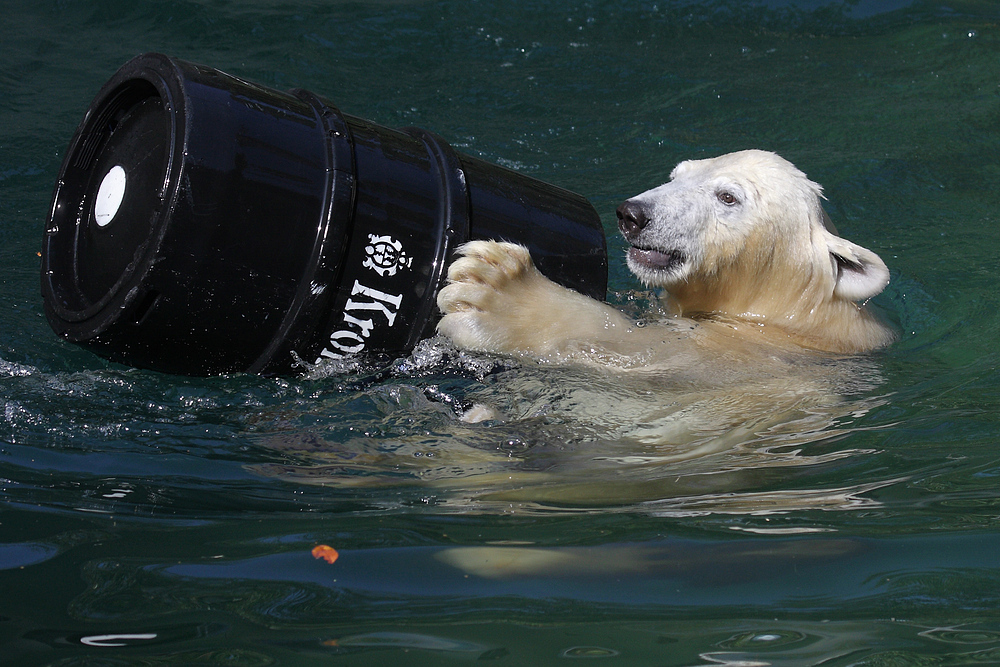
(329, 554)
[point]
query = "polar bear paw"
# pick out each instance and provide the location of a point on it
(491, 299)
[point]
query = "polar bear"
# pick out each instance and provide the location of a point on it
(752, 361)
(748, 258)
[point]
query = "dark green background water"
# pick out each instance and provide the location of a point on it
(135, 503)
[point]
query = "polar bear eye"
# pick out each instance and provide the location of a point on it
(727, 198)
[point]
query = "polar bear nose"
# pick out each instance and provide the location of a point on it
(631, 219)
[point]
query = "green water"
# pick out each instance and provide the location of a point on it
(182, 511)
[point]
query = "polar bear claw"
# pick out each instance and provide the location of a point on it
(496, 300)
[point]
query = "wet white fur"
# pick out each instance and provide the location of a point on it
(764, 270)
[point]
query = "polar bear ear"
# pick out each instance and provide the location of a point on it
(861, 274)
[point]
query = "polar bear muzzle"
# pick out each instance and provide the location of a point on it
(643, 259)
(632, 219)
(656, 260)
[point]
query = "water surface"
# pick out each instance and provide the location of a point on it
(150, 519)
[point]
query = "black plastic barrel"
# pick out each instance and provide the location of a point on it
(204, 224)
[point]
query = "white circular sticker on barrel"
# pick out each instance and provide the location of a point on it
(109, 196)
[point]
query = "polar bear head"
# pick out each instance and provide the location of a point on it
(745, 235)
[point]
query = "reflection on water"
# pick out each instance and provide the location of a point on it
(731, 642)
(731, 563)
(779, 601)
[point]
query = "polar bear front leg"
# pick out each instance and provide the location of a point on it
(497, 301)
